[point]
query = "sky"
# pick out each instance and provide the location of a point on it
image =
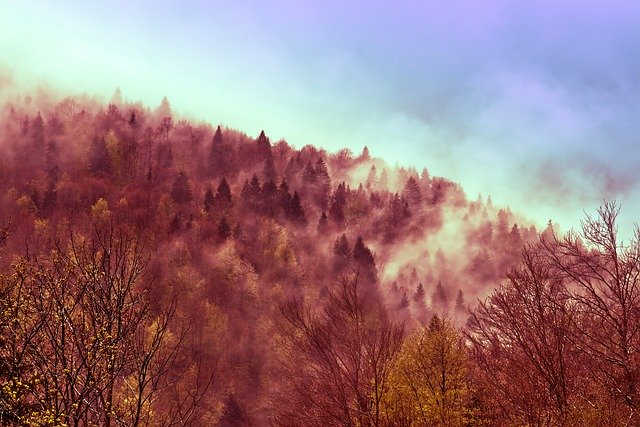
(533, 103)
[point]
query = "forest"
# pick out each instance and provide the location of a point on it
(161, 271)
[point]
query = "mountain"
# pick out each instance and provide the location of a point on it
(164, 271)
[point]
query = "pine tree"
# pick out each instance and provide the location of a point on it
(181, 191)
(165, 108)
(309, 175)
(404, 301)
(362, 254)
(439, 299)
(460, 304)
(270, 198)
(412, 191)
(37, 131)
(269, 172)
(208, 200)
(217, 136)
(296, 212)
(419, 294)
(341, 253)
(371, 177)
(336, 211)
(99, 156)
(224, 229)
(174, 225)
(323, 223)
(263, 146)
(223, 194)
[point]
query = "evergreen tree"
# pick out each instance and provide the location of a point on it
(270, 198)
(224, 229)
(99, 160)
(296, 212)
(341, 253)
(269, 172)
(37, 131)
(323, 182)
(309, 175)
(460, 304)
(263, 146)
(339, 199)
(217, 137)
(133, 120)
(224, 198)
(323, 223)
(181, 190)
(252, 193)
(174, 225)
(362, 254)
(412, 191)
(419, 294)
(208, 200)
(404, 301)
(49, 198)
(371, 177)
(439, 299)
(285, 196)
(233, 414)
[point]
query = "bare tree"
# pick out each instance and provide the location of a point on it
(91, 344)
(335, 363)
(520, 341)
(602, 274)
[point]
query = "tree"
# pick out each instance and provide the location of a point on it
(217, 136)
(341, 253)
(224, 229)
(412, 191)
(181, 190)
(419, 295)
(602, 274)
(364, 260)
(323, 223)
(522, 345)
(439, 299)
(99, 160)
(208, 200)
(336, 363)
(338, 200)
(429, 382)
(296, 212)
(263, 146)
(37, 132)
(223, 197)
(460, 306)
(87, 332)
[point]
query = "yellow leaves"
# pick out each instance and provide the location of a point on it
(166, 207)
(100, 210)
(234, 270)
(26, 205)
(428, 381)
(275, 244)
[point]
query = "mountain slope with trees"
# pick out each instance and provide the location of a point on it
(162, 272)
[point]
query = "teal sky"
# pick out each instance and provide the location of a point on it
(535, 104)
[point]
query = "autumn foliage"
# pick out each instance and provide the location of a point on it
(157, 271)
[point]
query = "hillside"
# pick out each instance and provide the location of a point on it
(169, 272)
